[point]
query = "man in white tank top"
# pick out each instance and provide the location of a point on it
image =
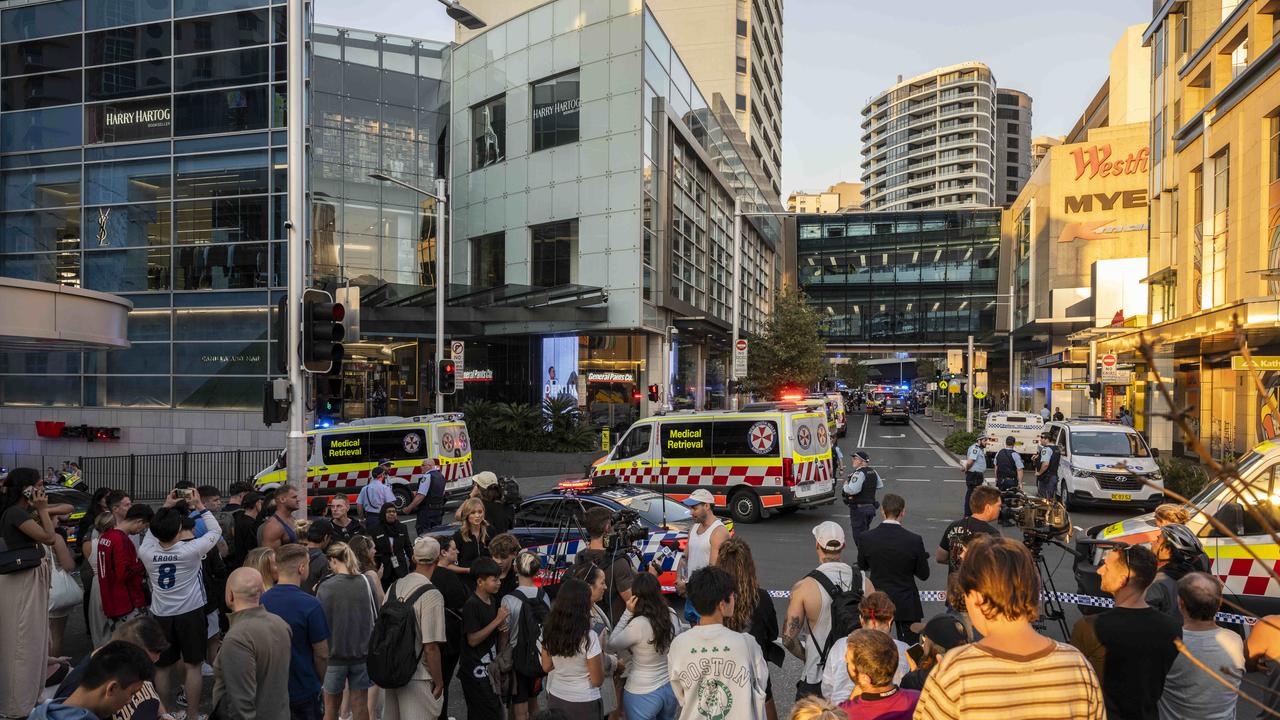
(705, 537)
(808, 622)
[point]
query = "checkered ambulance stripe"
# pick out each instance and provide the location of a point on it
(757, 475)
(1246, 576)
(1070, 598)
(813, 471)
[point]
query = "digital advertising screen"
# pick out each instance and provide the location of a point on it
(559, 367)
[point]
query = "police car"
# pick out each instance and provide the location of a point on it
(551, 524)
(1247, 582)
(341, 458)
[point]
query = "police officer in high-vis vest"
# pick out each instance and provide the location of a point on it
(860, 495)
(1047, 472)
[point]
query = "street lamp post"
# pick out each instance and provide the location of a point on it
(442, 283)
(296, 249)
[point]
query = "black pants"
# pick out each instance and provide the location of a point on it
(971, 481)
(482, 702)
(1006, 483)
(311, 708)
(860, 518)
(448, 663)
(905, 634)
(804, 690)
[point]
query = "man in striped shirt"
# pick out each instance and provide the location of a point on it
(1013, 673)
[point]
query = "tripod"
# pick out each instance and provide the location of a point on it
(1053, 609)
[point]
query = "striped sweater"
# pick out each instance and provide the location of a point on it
(976, 683)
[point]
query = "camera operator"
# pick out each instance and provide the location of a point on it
(616, 563)
(859, 493)
(496, 510)
(1009, 467)
(984, 508)
(1047, 470)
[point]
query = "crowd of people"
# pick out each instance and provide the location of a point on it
(350, 617)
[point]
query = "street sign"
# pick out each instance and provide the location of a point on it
(955, 361)
(1108, 360)
(942, 384)
(980, 383)
(954, 389)
(740, 359)
(605, 439)
(1264, 363)
(1071, 386)
(1110, 369)
(457, 349)
(932, 386)
(979, 394)
(979, 359)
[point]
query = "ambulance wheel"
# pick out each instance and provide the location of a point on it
(744, 505)
(404, 496)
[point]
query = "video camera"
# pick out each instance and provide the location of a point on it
(627, 530)
(1040, 520)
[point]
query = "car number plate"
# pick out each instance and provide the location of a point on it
(1121, 497)
(816, 488)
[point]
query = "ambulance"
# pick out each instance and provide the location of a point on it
(341, 458)
(1246, 509)
(769, 459)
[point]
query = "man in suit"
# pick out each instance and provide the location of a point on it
(894, 556)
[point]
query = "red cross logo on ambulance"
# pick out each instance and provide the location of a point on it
(446, 441)
(822, 436)
(462, 441)
(411, 443)
(762, 437)
(804, 437)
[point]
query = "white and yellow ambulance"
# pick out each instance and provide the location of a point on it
(755, 463)
(341, 458)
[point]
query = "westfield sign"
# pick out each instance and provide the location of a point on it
(1097, 160)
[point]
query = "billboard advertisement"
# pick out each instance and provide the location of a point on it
(559, 367)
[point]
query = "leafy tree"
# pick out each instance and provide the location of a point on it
(789, 350)
(853, 373)
(925, 368)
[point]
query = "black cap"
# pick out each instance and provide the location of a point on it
(945, 631)
(862, 454)
(1010, 440)
(378, 471)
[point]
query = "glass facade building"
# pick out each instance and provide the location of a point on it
(902, 280)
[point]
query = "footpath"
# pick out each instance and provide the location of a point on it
(937, 427)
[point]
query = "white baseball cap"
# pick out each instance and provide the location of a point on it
(830, 535)
(700, 497)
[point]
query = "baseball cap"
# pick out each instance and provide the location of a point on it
(426, 549)
(379, 471)
(830, 536)
(384, 461)
(700, 497)
(862, 454)
(485, 479)
(945, 631)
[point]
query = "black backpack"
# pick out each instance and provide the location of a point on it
(845, 617)
(395, 646)
(526, 657)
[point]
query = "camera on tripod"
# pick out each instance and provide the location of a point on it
(1040, 520)
(626, 532)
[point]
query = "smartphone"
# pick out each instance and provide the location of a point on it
(29, 492)
(916, 653)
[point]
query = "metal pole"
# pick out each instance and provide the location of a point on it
(1013, 386)
(442, 285)
(968, 418)
(737, 293)
(1095, 404)
(296, 445)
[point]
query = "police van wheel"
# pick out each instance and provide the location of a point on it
(744, 505)
(404, 496)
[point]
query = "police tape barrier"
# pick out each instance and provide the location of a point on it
(1070, 598)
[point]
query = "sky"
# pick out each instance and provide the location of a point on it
(839, 53)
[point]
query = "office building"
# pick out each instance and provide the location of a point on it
(1074, 245)
(841, 197)
(1214, 242)
(937, 140)
(731, 48)
(919, 282)
(1012, 161)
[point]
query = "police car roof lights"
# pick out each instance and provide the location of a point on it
(600, 481)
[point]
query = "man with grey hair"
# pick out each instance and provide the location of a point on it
(251, 673)
(1189, 692)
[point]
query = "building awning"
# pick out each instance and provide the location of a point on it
(47, 317)
(1208, 332)
(1163, 276)
(1066, 358)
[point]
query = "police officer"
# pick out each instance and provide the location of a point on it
(1047, 470)
(860, 495)
(1008, 466)
(974, 466)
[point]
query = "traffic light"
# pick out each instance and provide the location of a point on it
(653, 393)
(635, 395)
(322, 331)
(329, 396)
(1095, 390)
(448, 378)
(275, 401)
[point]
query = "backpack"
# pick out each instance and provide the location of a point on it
(845, 617)
(395, 646)
(526, 656)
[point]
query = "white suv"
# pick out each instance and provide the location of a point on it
(1104, 463)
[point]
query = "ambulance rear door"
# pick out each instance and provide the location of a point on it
(452, 446)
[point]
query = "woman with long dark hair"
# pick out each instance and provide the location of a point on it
(571, 654)
(646, 629)
(27, 529)
(753, 612)
(391, 542)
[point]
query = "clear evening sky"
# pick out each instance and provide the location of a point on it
(839, 53)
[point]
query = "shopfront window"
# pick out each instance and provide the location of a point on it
(106, 13)
(34, 56)
(40, 231)
(555, 111)
(489, 133)
(127, 182)
(554, 248)
(221, 32)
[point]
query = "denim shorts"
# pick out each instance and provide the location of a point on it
(355, 677)
(659, 704)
